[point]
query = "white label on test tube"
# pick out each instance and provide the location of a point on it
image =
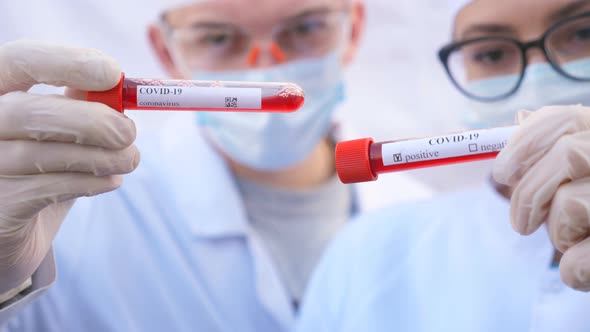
(466, 143)
(199, 97)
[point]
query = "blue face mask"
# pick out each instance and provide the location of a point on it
(273, 141)
(542, 86)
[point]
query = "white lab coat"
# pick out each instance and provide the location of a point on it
(171, 250)
(450, 264)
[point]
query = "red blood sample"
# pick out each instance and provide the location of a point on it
(183, 95)
(363, 160)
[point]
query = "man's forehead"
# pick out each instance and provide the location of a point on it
(181, 12)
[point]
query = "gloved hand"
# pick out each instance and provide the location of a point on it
(53, 148)
(547, 164)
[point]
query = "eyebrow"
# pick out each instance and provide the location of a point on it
(568, 10)
(212, 24)
(310, 11)
(487, 29)
(496, 29)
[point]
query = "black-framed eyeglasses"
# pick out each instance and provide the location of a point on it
(493, 68)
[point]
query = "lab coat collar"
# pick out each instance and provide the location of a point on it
(270, 289)
(201, 181)
(205, 189)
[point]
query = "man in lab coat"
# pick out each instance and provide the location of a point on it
(220, 226)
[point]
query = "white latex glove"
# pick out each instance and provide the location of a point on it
(53, 148)
(547, 163)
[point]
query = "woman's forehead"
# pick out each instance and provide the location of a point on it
(521, 16)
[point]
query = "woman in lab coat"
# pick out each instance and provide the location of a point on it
(455, 263)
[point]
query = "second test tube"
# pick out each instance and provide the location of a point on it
(363, 160)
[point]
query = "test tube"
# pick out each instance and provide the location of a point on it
(362, 160)
(185, 95)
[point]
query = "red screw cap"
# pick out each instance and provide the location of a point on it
(353, 161)
(113, 98)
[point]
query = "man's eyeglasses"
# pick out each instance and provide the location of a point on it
(226, 46)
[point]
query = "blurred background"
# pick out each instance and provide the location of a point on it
(396, 88)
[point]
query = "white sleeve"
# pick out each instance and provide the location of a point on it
(43, 278)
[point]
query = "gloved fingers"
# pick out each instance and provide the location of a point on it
(23, 197)
(575, 266)
(57, 118)
(568, 160)
(50, 219)
(569, 215)
(537, 135)
(30, 157)
(75, 94)
(25, 63)
(522, 115)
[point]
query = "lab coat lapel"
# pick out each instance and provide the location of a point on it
(219, 211)
(270, 290)
(201, 181)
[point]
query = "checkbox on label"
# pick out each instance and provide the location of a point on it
(473, 147)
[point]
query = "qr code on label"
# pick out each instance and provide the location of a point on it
(231, 102)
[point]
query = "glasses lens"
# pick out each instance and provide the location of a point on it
(311, 35)
(226, 47)
(210, 47)
(569, 47)
(487, 69)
